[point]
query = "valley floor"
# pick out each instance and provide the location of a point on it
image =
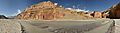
(56, 26)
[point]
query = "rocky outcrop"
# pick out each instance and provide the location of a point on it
(49, 11)
(114, 12)
(3, 17)
(105, 15)
(44, 10)
(97, 14)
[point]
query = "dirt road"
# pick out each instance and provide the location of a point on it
(117, 25)
(60, 26)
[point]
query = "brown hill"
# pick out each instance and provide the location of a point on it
(114, 11)
(47, 11)
(44, 10)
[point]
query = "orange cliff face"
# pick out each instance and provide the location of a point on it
(49, 11)
(44, 10)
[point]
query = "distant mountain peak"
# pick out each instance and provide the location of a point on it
(3, 17)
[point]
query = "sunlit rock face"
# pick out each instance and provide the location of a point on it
(44, 10)
(50, 11)
(114, 12)
(97, 14)
(3, 17)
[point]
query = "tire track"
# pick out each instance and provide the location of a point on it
(79, 29)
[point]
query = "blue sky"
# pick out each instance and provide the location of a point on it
(10, 7)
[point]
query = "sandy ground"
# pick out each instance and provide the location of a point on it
(117, 25)
(9, 26)
(55, 26)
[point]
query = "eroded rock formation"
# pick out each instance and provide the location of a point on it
(49, 11)
(44, 10)
(97, 14)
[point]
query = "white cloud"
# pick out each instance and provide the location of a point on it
(73, 6)
(55, 3)
(61, 6)
(69, 8)
(78, 10)
(18, 12)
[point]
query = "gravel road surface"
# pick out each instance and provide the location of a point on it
(59, 26)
